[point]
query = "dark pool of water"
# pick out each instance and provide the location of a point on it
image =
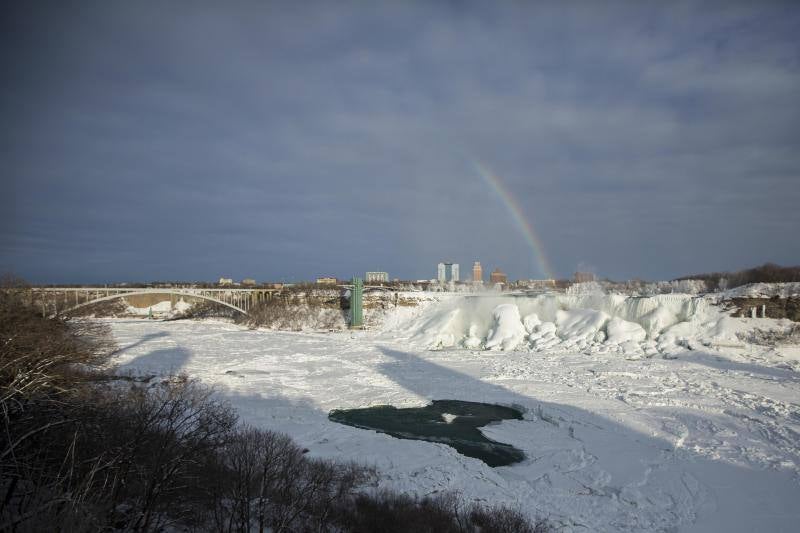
(427, 423)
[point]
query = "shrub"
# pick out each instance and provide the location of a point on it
(442, 513)
(298, 310)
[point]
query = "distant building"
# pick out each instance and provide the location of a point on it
(440, 273)
(539, 283)
(498, 276)
(377, 277)
(327, 281)
(225, 281)
(477, 272)
(248, 282)
(447, 272)
(584, 277)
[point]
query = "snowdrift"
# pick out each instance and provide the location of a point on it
(598, 322)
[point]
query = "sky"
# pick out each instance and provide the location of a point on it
(289, 140)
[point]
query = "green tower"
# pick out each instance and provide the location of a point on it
(356, 294)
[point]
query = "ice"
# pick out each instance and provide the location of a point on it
(530, 322)
(507, 330)
(621, 331)
(438, 332)
(677, 335)
(580, 324)
(725, 332)
(658, 320)
(705, 442)
(473, 340)
(587, 320)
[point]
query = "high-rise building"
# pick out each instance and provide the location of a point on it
(498, 276)
(584, 277)
(377, 277)
(441, 274)
(447, 272)
(477, 272)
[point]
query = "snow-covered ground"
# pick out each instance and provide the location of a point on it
(161, 309)
(623, 431)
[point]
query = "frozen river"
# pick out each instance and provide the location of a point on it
(705, 442)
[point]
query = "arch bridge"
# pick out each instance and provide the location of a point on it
(61, 300)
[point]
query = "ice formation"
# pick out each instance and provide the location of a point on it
(507, 329)
(577, 321)
(620, 331)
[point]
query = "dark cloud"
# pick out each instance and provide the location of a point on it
(288, 140)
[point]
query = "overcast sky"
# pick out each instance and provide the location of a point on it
(288, 140)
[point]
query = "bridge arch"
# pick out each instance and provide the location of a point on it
(159, 291)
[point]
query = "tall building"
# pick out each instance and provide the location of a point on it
(377, 277)
(498, 276)
(477, 272)
(584, 277)
(447, 272)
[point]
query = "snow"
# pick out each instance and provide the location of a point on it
(448, 417)
(764, 290)
(161, 309)
(700, 433)
(580, 320)
(580, 324)
(621, 331)
(507, 329)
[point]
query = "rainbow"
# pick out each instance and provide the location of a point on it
(513, 207)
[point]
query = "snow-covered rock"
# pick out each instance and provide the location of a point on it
(530, 322)
(577, 324)
(621, 331)
(507, 330)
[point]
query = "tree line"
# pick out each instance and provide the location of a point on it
(766, 273)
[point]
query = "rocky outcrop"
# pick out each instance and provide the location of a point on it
(775, 307)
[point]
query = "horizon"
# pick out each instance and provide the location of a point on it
(239, 281)
(277, 141)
